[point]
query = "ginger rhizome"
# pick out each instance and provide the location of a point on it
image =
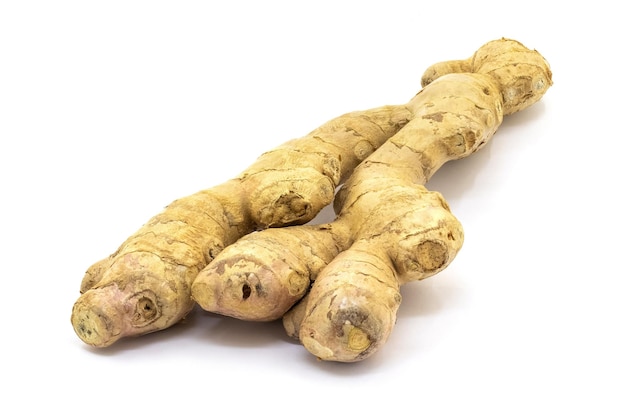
(145, 285)
(389, 229)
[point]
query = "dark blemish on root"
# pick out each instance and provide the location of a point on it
(145, 310)
(437, 117)
(246, 291)
(260, 291)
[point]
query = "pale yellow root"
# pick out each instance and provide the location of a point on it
(389, 229)
(145, 285)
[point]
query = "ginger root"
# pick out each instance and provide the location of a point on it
(389, 229)
(145, 285)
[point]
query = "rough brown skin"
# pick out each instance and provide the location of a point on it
(145, 285)
(389, 229)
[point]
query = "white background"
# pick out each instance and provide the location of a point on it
(111, 110)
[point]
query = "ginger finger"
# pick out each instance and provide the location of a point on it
(351, 308)
(522, 74)
(262, 275)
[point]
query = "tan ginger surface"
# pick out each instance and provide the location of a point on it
(145, 285)
(389, 229)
